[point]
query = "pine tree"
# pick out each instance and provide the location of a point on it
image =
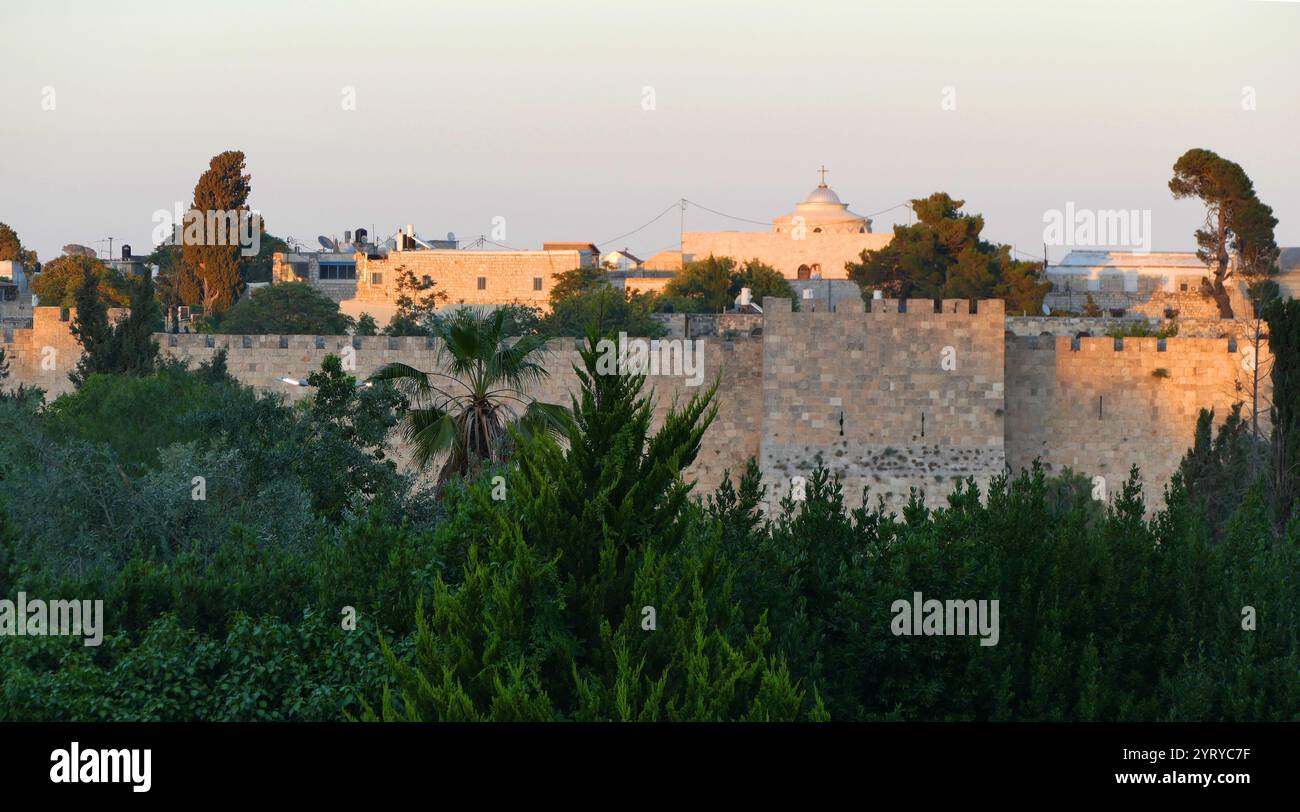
(595, 592)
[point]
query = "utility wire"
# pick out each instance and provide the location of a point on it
(674, 205)
(901, 205)
(731, 216)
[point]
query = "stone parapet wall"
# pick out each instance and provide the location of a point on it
(912, 394)
(1101, 405)
(900, 397)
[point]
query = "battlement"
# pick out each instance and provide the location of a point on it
(990, 308)
(1132, 344)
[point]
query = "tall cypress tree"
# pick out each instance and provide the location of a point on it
(224, 187)
(127, 346)
(1284, 344)
(137, 352)
(91, 329)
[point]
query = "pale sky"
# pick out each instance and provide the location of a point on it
(532, 110)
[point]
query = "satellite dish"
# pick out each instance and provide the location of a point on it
(327, 243)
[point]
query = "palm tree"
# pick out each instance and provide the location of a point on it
(467, 406)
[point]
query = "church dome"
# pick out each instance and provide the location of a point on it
(823, 194)
(822, 212)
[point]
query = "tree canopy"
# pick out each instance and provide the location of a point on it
(1237, 223)
(11, 249)
(583, 297)
(60, 279)
(289, 308)
(943, 257)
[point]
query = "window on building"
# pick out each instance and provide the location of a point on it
(482, 283)
(427, 281)
(537, 283)
(343, 271)
(376, 279)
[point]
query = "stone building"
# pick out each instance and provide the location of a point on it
(366, 281)
(15, 293)
(1126, 280)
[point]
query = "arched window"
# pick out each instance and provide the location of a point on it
(817, 230)
(805, 272)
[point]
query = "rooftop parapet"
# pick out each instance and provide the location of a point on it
(961, 307)
(1132, 344)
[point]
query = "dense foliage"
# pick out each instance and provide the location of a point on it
(521, 592)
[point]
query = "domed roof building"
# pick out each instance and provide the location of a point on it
(815, 242)
(822, 213)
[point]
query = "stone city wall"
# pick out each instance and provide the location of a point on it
(904, 396)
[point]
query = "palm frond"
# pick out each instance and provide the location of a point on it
(431, 433)
(544, 419)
